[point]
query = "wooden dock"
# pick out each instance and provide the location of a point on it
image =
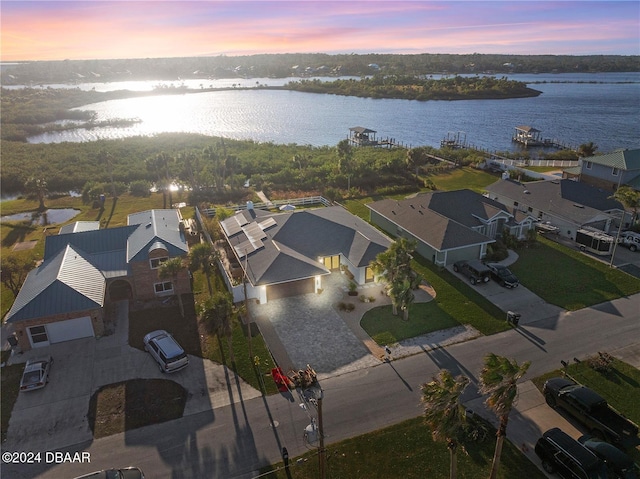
(360, 136)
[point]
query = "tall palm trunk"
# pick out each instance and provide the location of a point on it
(500, 435)
(453, 459)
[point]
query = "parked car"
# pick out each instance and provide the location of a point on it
(563, 455)
(631, 240)
(475, 270)
(166, 351)
(126, 473)
(36, 374)
(503, 275)
(619, 464)
(590, 409)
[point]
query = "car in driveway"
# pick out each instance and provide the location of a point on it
(474, 269)
(36, 374)
(631, 240)
(620, 465)
(166, 351)
(126, 473)
(563, 455)
(503, 275)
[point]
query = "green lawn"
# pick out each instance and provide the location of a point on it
(463, 178)
(406, 450)
(9, 390)
(385, 328)
(620, 387)
(568, 278)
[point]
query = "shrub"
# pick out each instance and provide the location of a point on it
(600, 362)
(350, 307)
(140, 188)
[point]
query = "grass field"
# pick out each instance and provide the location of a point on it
(406, 450)
(568, 278)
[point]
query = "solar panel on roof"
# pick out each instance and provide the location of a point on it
(244, 248)
(254, 232)
(268, 223)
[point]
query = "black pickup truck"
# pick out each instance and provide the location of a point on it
(590, 409)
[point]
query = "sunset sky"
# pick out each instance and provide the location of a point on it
(56, 30)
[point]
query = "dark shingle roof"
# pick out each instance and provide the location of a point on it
(443, 220)
(293, 245)
(573, 200)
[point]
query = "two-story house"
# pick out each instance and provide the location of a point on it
(84, 268)
(610, 171)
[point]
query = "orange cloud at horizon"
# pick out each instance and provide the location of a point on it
(98, 30)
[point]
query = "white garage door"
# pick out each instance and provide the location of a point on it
(70, 329)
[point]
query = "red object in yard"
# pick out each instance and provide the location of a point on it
(282, 381)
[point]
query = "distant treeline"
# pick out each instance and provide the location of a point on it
(307, 65)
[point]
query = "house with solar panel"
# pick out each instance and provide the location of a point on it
(282, 254)
(85, 268)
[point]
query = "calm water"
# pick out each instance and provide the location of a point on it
(48, 217)
(606, 112)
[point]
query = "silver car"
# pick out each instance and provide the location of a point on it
(166, 351)
(36, 374)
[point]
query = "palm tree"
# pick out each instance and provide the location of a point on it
(587, 149)
(171, 269)
(630, 198)
(201, 257)
(444, 412)
(217, 313)
(394, 266)
(499, 379)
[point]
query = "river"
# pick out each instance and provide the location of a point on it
(602, 108)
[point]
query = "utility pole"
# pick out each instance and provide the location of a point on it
(322, 454)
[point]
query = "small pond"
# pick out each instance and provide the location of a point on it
(47, 217)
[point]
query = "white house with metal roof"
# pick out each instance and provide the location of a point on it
(84, 268)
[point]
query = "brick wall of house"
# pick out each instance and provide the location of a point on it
(20, 327)
(144, 278)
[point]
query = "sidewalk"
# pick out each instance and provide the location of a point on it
(531, 416)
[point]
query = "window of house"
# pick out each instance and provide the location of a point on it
(156, 262)
(530, 209)
(588, 165)
(515, 203)
(614, 172)
(166, 287)
(38, 334)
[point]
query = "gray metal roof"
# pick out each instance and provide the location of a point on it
(155, 226)
(294, 244)
(577, 202)
(66, 283)
(79, 226)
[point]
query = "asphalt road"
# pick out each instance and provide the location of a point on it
(234, 441)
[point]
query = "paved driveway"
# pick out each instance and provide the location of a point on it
(56, 416)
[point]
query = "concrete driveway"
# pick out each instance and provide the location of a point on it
(56, 416)
(520, 299)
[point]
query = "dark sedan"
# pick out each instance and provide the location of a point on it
(503, 275)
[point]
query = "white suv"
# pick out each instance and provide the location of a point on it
(166, 351)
